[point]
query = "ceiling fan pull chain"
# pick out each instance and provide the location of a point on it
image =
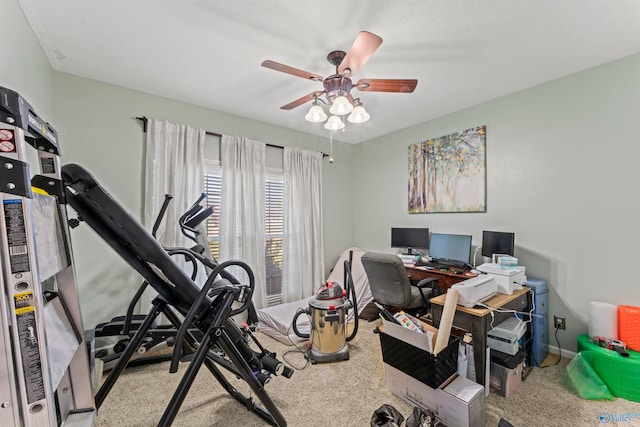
(331, 146)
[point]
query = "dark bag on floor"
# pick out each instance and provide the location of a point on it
(421, 418)
(386, 416)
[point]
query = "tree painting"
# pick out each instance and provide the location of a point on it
(448, 174)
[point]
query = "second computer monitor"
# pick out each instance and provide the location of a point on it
(497, 242)
(450, 247)
(410, 238)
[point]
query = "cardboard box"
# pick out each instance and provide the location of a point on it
(410, 352)
(456, 403)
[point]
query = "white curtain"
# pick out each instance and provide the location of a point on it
(303, 265)
(242, 228)
(174, 165)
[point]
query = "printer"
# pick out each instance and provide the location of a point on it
(508, 280)
(475, 290)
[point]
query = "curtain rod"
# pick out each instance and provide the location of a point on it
(144, 120)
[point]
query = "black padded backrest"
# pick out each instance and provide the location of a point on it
(128, 237)
(388, 279)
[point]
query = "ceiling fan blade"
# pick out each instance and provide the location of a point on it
(290, 70)
(363, 47)
(302, 100)
(387, 85)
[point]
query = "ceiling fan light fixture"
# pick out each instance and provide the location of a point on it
(358, 115)
(334, 123)
(316, 114)
(341, 106)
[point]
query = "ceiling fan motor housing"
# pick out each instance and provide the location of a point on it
(335, 85)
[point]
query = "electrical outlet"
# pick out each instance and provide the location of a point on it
(559, 323)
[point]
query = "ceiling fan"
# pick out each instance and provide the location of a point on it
(338, 86)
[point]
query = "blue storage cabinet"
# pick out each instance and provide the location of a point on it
(540, 345)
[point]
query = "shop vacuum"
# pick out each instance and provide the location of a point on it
(328, 311)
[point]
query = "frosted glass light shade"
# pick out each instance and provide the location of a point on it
(341, 106)
(334, 123)
(316, 114)
(358, 115)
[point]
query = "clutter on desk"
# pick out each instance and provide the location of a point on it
(409, 259)
(507, 280)
(475, 290)
(505, 262)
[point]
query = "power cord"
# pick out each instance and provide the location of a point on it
(529, 314)
(475, 252)
(297, 350)
(559, 348)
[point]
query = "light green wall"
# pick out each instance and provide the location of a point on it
(23, 65)
(561, 173)
(98, 130)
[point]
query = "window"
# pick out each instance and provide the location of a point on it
(274, 231)
(274, 223)
(213, 188)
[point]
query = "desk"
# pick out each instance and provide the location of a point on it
(478, 322)
(445, 278)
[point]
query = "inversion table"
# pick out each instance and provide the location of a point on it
(200, 315)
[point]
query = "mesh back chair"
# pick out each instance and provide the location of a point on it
(390, 284)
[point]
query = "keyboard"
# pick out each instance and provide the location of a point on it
(431, 265)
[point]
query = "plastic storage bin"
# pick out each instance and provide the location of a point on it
(506, 372)
(540, 345)
(429, 369)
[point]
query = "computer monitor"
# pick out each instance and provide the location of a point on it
(450, 248)
(410, 238)
(497, 242)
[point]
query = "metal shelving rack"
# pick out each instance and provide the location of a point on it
(45, 375)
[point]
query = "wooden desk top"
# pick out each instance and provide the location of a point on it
(450, 272)
(496, 301)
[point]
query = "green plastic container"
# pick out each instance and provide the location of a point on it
(620, 374)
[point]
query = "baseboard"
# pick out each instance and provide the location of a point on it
(565, 353)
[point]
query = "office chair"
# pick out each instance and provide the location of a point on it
(390, 285)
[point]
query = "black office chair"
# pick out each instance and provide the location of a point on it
(391, 287)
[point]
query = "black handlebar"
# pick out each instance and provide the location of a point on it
(163, 210)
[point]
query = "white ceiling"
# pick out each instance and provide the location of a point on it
(208, 53)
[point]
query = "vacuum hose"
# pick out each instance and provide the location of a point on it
(348, 280)
(294, 323)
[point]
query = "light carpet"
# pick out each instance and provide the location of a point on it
(342, 393)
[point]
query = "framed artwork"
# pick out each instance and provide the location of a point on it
(448, 174)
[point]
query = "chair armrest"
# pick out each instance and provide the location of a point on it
(424, 282)
(431, 282)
